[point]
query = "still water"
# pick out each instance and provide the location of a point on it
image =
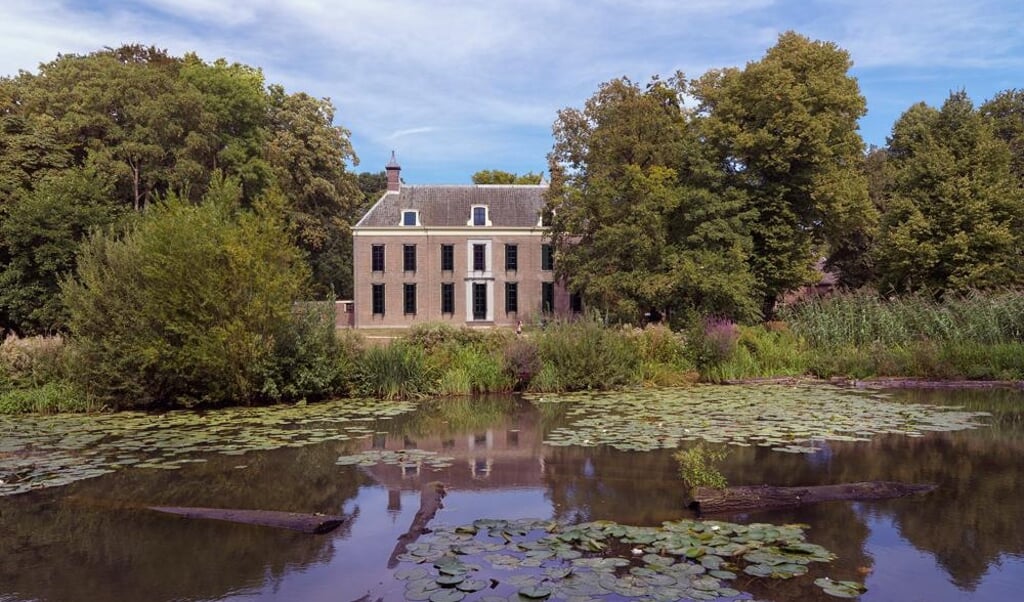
(93, 540)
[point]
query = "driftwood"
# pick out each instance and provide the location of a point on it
(707, 500)
(431, 495)
(307, 523)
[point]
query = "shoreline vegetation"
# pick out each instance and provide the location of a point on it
(854, 339)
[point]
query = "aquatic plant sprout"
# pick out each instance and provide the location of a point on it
(791, 419)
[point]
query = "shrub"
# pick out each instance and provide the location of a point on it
(522, 362)
(432, 335)
(193, 304)
(587, 355)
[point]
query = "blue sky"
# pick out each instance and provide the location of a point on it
(455, 86)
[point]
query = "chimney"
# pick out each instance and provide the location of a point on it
(393, 169)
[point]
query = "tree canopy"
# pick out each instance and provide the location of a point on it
(716, 209)
(496, 176)
(635, 217)
(785, 128)
(954, 217)
(114, 131)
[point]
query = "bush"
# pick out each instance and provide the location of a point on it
(432, 335)
(587, 355)
(193, 304)
(760, 352)
(522, 362)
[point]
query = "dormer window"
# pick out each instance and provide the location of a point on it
(479, 216)
(410, 217)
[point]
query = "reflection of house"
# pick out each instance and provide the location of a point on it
(495, 456)
(475, 255)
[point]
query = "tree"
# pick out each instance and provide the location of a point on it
(636, 216)
(496, 176)
(308, 156)
(785, 129)
(954, 218)
(192, 304)
(1006, 110)
(150, 125)
(372, 185)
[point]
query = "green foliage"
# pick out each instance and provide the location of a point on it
(496, 176)
(1006, 112)
(639, 216)
(954, 218)
(193, 304)
(396, 371)
(587, 355)
(49, 398)
(761, 351)
(785, 130)
(40, 231)
(88, 138)
(521, 360)
(431, 336)
(698, 466)
(863, 318)
(472, 369)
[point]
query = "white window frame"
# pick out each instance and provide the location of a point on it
(472, 213)
(416, 215)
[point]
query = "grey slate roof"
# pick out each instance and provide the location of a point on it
(508, 206)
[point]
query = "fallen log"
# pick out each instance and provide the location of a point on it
(306, 523)
(431, 495)
(707, 500)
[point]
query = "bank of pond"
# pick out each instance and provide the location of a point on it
(560, 496)
(854, 336)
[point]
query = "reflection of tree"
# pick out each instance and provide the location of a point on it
(968, 523)
(602, 483)
(98, 544)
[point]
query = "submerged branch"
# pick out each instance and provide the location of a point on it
(707, 500)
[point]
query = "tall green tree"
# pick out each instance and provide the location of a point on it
(1006, 110)
(954, 217)
(145, 125)
(496, 176)
(785, 128)
(637, 218)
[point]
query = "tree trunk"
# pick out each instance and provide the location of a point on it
(431, 495)
(307, 523)
(707, 500)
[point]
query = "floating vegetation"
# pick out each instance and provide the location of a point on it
(538, 559)
(50, 451)
(791, 419)
(403, 457)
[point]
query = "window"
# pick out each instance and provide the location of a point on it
(378, 300)
(479, 258)
(448, 297)
(409, 218)
(511, 257)
(511, 297)
(410, 298)
(409, 258)
(377, 258)
(576, 303)
(547, 258)
(479, 216)
(547, 297)
(479, 301)
(447, 258)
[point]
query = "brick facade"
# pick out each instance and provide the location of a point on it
(420, 221)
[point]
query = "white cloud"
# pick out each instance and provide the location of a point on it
(489, 77)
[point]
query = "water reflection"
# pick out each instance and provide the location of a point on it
(964, 541)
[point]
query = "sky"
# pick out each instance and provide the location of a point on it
(457, 86)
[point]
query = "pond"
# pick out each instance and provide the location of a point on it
(74, 523)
